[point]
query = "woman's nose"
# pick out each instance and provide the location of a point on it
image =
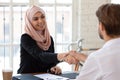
(40, 20)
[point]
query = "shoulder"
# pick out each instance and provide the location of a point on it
(26, 37)
(51, 38)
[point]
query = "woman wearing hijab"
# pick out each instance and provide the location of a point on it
(37, 46)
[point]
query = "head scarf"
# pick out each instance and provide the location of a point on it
(42, 37)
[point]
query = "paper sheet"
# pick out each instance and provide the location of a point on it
(48, 76)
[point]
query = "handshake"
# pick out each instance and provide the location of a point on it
(72, 57)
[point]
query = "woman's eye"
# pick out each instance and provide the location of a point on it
(42, 16)
(35, 19)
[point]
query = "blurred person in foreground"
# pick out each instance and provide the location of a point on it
(104, 64)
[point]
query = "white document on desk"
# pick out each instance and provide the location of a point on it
(48, 76)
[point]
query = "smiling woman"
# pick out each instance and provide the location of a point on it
(37, 52)
(38, 21)
(58, 16)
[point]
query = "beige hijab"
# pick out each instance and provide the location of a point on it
(42, 37)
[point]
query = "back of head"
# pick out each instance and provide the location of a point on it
(109, 16)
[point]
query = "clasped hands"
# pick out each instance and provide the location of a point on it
(72, 57)
(68, 57)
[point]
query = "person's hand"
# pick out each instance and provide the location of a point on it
(71, 59)
(78, 56)
(61, 56)
(55, 70)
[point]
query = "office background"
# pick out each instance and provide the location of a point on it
(68, 21)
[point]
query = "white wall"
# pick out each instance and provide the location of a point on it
(88, 22)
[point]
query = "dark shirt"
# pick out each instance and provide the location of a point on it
(33, 58)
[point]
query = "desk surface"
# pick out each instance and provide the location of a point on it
(70, 75)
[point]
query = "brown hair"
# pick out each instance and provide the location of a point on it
(109, 16)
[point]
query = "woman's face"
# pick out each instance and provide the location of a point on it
(38, 21)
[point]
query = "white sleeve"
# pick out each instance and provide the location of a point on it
(90, 70)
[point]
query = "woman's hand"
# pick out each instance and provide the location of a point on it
(55, 70)
(61, 56)
(71, 60)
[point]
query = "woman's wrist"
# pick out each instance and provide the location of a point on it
(59, 57)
